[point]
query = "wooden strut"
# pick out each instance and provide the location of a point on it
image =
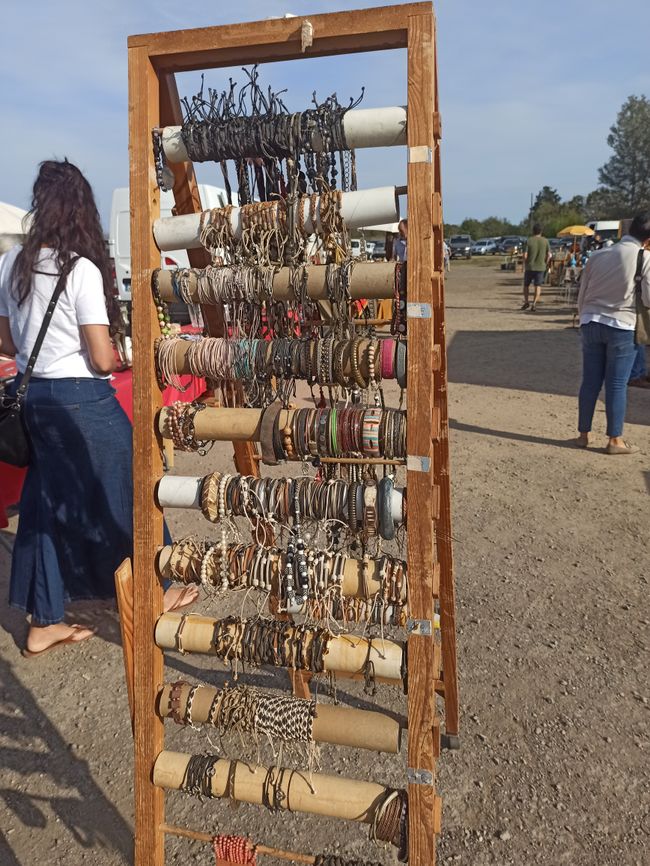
(280, 853)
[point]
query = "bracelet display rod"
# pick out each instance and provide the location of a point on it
(300, 647)
(338, 725)
(365, 207)
(362, 127)
(286, 789)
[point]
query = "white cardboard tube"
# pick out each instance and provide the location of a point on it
(363, 127)
(363, 207)
(182, 491)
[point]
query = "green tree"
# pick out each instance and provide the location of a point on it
(625, 177)
(546, 196)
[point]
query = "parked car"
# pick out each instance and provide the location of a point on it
(460, 246)
(512, 244)
(379, 252)
(483, 247)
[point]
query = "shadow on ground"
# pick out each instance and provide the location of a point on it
(528, 361)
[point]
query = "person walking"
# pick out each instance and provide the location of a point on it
(536, 259)
(76, 511)
(607, 311)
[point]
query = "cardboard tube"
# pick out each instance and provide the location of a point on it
(181, 491)
(363, 207)
(352, 584)
(362, 127)
(346, 653)
(341, 726)
(182, 367)
(314, 793)
(368, 280)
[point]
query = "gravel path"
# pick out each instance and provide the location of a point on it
(552, 583)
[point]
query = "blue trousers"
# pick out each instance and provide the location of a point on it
(607, 356)
(639, 368)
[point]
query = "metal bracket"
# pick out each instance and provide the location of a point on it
(418, 464)
(422, 153)
(416, 310)
(419, 777)
(419, 626)
(450, 741)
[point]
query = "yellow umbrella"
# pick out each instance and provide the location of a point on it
(575, 231)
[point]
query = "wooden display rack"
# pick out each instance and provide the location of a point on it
(153, 102)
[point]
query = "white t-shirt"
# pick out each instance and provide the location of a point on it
(63, 353)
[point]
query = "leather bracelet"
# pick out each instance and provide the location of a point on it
(385, 508)
(388, 359)
(370, 509)
(400, 363)
(267, 428)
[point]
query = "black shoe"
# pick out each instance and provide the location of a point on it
(524, 306)
(532, 308)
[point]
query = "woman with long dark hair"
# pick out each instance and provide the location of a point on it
(76, 511)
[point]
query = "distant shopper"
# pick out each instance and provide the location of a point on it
(536, 259)
(400, 244)
(607, 310)
(446, 254)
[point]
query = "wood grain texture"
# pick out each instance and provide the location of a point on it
(280, 39)
(420, 550)
(147, 464)
(124, 593)
(441, 466)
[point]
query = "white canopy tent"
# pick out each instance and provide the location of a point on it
(12, 226)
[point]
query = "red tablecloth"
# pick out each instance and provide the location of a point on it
(11, 479)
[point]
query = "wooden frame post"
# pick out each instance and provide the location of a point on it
(147, 462)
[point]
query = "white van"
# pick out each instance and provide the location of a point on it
(119, 237)
(606, 229)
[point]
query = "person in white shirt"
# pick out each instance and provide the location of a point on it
(607, 311)
(76, 510)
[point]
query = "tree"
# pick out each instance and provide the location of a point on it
(546, 195)
(625, 177)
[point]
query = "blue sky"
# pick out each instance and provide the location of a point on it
(528, 89)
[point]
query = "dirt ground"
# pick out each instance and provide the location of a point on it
(552, 576)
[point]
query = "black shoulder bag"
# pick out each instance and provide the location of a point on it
(14, 440)
(642, 327)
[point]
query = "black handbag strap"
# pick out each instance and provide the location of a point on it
(638, 276)
(58, 290)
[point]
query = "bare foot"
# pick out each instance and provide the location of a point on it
(41, 638)
(177, 597)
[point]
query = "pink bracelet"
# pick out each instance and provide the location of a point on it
(388, 359)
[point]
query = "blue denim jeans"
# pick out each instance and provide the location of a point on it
(639, 368)
(607, 356)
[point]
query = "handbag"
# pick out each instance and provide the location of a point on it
(642, 327)
(14, 439)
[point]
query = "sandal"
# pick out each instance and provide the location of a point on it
(625, 448)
